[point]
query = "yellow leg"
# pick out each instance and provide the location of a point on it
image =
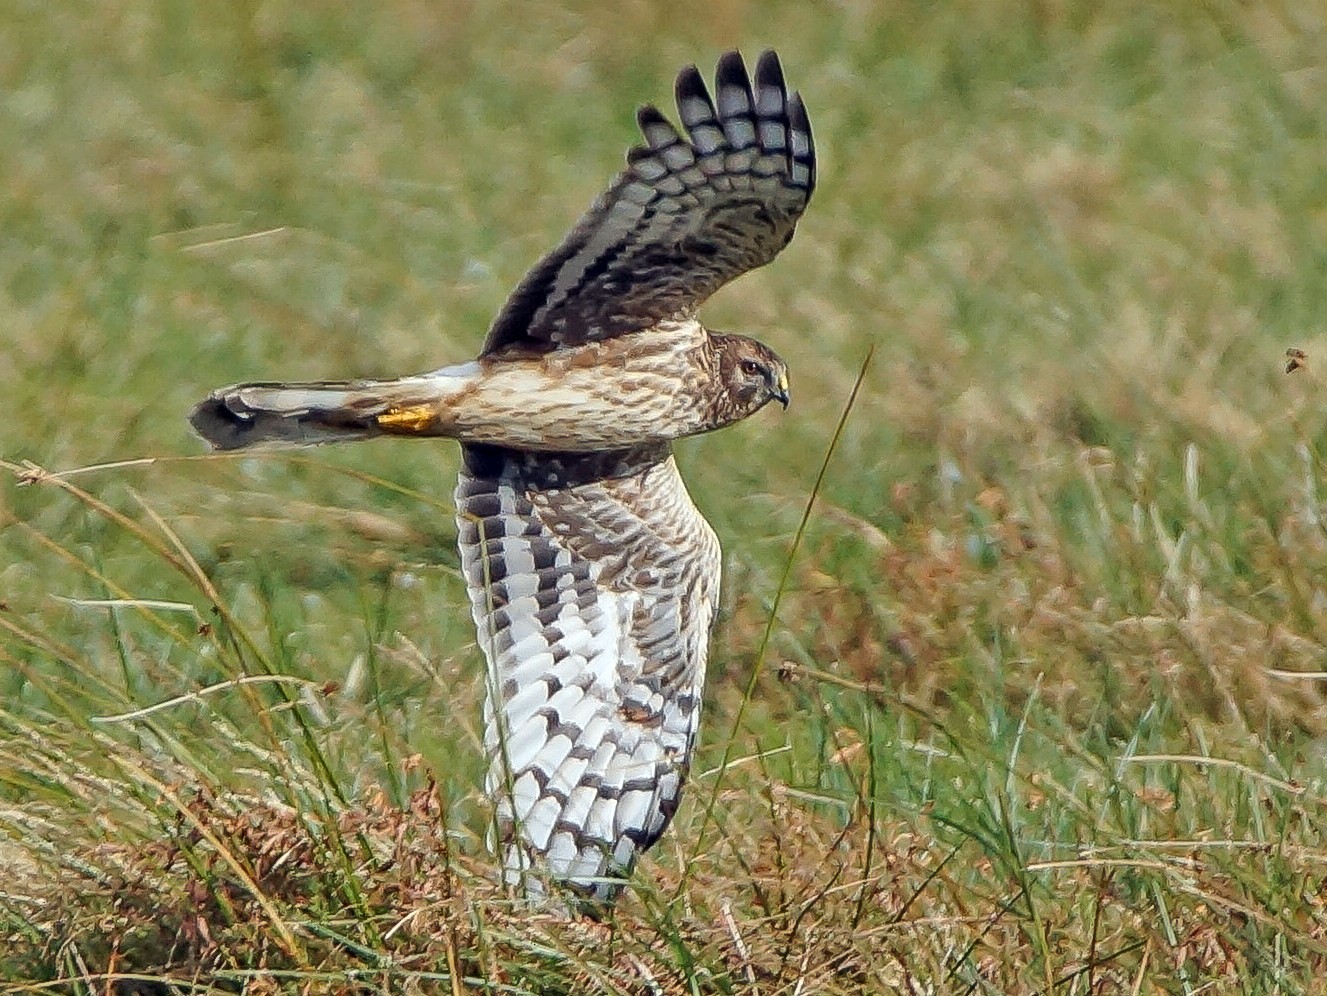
(413, 419)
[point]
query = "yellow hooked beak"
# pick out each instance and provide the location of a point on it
(780, 391)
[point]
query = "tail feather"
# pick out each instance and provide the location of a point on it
(244, 415)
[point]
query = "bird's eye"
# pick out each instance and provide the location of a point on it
(750, 367)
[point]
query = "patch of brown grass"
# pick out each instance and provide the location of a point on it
(819, 906)
(982, 582)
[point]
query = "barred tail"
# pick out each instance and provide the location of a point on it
(244, 415)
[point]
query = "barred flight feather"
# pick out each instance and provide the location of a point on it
(593, 609)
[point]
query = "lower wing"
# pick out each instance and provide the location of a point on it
(593, 582)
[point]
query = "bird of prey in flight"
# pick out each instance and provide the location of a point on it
(593, 579)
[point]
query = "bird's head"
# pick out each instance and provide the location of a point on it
(752, 374)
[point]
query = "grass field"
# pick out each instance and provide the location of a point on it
(1039, 707)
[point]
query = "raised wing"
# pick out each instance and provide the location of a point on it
(685, 217)
(593, 582)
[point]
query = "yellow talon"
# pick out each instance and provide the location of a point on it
(415, 418)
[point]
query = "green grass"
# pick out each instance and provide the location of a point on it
(1026, 720)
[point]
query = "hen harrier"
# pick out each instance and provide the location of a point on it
(593, 579)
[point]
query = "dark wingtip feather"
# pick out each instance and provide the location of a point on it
(731, 71)
(658, 130)
(690, 84)
(647, 116)
(801, 125)
(696, 110)
(797, 116)
(769, 71)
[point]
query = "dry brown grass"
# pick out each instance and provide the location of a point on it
(378, 899)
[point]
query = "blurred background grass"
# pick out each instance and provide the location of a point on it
(1074, 519)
